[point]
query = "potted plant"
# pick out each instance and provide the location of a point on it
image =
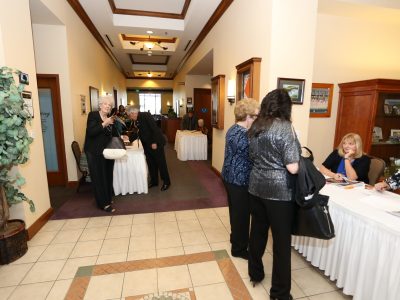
(14, 150)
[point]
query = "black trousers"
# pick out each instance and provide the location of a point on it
(279, 216)
(239, 217)
(156, 162)
(101, 174)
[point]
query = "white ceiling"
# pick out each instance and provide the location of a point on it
(168, 6)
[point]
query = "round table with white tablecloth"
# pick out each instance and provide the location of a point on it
(130, 172)
(191, 145)
(364, 257)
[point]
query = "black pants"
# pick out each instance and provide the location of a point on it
(279, 216)
(156, 162)
(239, 217)
(101, 174)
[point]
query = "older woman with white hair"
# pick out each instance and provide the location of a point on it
(99, 131)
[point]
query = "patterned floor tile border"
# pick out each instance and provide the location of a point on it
(232, 278)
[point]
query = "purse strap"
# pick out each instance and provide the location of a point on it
(311, 156)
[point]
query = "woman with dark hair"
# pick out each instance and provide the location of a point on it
(275, 152)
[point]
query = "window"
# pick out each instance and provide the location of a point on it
(150, 102)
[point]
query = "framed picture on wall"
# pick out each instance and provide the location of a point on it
(94, 98)
(248, 79)
(294, 87)
(217, 101)
(321, 100)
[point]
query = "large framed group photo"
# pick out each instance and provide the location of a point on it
(321, 100)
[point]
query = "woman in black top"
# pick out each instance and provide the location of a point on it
(100, 128)
(347, 160)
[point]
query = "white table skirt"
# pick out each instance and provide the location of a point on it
(191, 145)
(130, 172)
(364, 257)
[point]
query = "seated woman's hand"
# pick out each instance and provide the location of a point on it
(381, 186)
(338, 176)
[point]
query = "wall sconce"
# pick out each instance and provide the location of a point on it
(181, 103)
(231, 91)
(168, 104)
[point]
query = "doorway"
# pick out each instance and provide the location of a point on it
(202, 108)
(52, 128)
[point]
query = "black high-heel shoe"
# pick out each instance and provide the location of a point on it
(255, 282)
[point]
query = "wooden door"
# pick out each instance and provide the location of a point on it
(52, 128)
(202, 107)
(115, 93)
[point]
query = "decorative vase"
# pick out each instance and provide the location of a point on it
(4, 210)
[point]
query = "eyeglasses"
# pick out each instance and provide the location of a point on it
(253, 116)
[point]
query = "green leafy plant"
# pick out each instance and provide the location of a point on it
(171, 113)
(14, 140)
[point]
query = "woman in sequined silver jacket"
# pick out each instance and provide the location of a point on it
(391, 183)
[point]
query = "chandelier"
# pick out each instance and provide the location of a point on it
(149, 45)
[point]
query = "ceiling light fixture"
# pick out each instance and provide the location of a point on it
(149, 74)
(148, 45)
(149, 32)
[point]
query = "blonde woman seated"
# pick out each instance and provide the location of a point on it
(201, 127)
(348, 160)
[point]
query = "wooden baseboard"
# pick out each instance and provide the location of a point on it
(218, 173)
(39, 223)
(72, 184)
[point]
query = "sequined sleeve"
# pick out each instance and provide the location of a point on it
(394, 181)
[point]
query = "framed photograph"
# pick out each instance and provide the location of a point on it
(28, 104)
(392, 107)
(321, 100)
(395, 132)
(248, 79)
(189, 102)
(294, 87)
(94, 98)
(217, 101)
(83, 104)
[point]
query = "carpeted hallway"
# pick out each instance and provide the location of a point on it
(194, 185)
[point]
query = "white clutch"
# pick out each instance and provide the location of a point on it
(114, 153)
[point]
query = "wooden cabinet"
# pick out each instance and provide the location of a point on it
(169, 128)
(362, 107)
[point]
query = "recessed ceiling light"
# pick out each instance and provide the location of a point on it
(149, 32)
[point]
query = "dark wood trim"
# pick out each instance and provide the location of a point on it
(248, 62)
(77, 7)
(148, 39)
(158, 78)
(134, 12)
(220, 10)
(218, 173)
(39, 223)
(252, 66)
(218, 90)
(152, 90)
(149, 63)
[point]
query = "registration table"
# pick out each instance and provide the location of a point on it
(191, 145)
(364, 257)
(130, 172)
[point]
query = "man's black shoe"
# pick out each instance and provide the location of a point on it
(165, 187)
(152, 185)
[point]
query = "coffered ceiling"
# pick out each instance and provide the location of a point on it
(150, 37)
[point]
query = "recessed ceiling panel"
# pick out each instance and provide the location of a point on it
(167, 6)
(149, 60)
(146, 74)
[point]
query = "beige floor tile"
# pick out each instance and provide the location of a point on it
(211, 223)
(185, 215)
(121, 220)
(36, 291)
(191, 238)
(53, 225)
(111, 258)
(59, 289)
(296, 291)
(222, 211)
(267, 261)
(140, 282)
(143, 254)
(13, 274)
(312, 282)
(197, 248)
(168, 216)
(44, 271)
(226, 222)
(93, 234)
(257, 292)
(298, 261)
(89, 248)
(205, 213)
(72, 265)
(31, 256)
(147, 229)
(99, 222)
(105, 287)
(335, 295)
(221, 246)
(166, 227)
(57, 251)
(112, 246)
(205, 273)
(42, 238)
(67, 236)
(6, 292)
(138, 243)
(217, 291)
(241, 266)
(173, 278)
(169, 240)
(143, 218)
(189, 225)
(73, 224)
(170, 252)
(118, 232)
(215, 235)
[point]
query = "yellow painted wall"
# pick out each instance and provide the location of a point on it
(149, 83)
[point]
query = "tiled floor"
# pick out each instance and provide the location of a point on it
(176, 254)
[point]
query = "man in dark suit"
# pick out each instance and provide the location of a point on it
(144, 127)
(189, 121)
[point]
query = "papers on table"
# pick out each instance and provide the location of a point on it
(346, 183)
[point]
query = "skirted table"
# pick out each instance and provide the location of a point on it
(364, 257)
(191, 145)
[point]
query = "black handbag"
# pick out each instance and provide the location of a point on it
(312, 216)
(115, 149)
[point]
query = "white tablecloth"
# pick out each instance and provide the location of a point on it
(130, 172)
(191, 145)
(364, 257)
